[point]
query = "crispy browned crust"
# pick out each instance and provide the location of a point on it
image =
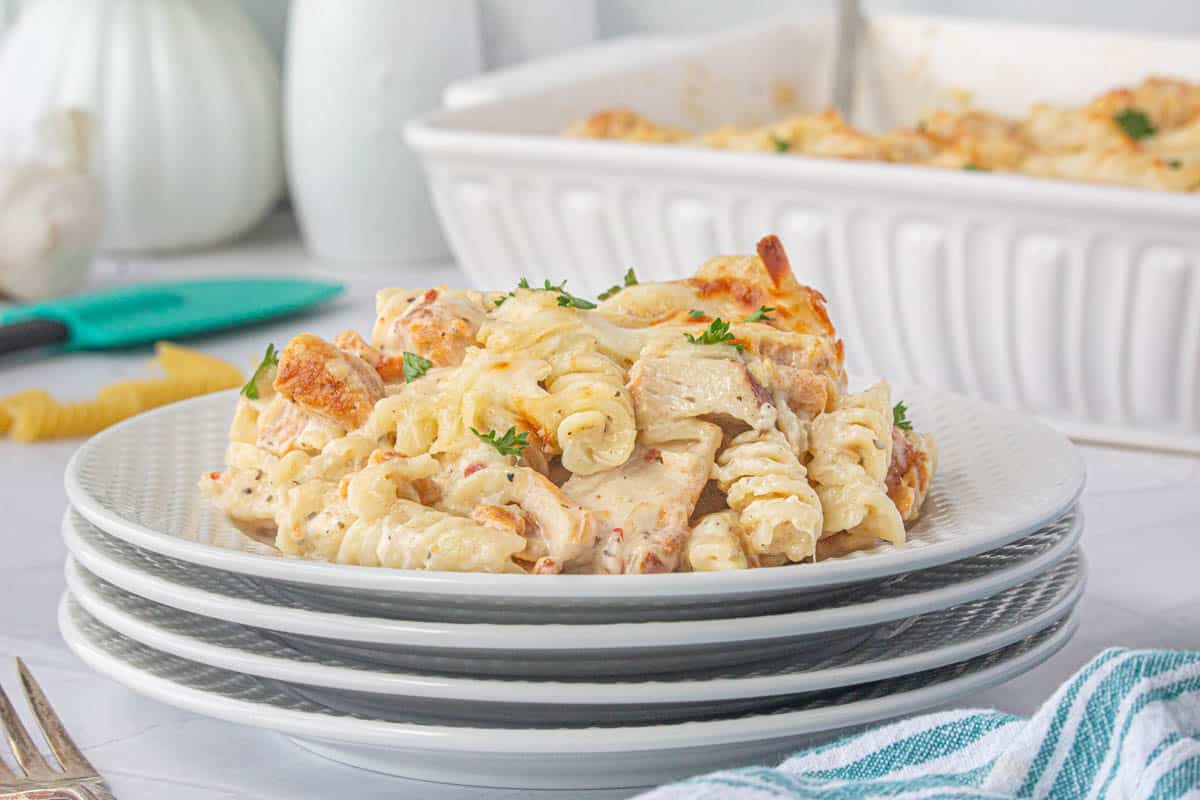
(328, 381)
(774, 258)
(508, 518)
(765, 281)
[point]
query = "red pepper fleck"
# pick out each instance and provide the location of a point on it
(620, 534)
(430, 296)
(214, 475)
(471, 470)
(653, 454)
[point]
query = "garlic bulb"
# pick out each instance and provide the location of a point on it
(49, 213)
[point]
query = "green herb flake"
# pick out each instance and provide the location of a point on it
(1135, 123)
(695, 313)
(523, 283)
(1174, 163)
(510, 444)
(415, 366)
(269, 359)
(630, 280)
(974, 168)
(761, 315)
(781, 145)
(717, 333)
(567, 299)
(900, 417)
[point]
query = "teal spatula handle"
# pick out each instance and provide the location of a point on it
(32, 333)
(148, 312)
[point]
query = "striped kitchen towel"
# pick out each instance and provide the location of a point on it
(1125, 726)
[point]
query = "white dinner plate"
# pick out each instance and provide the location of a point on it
(930, 641)
(597, 756)
(558, 650)
(1001, 476)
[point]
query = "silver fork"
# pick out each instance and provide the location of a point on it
(76, 780)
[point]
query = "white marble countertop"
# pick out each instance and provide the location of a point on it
(1142, 541)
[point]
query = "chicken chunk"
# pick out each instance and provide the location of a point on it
(328, 382)
(648, 500)
(438, 324)
(914, 460)
(506, 496)
(679, 387)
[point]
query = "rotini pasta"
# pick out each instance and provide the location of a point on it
(698, 424)
(34, 415)
(851, 450)
(779, 513)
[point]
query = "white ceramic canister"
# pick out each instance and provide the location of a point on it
(356, 72)
(184, 98)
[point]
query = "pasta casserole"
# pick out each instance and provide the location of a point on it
(1146, 136)
(700, 424)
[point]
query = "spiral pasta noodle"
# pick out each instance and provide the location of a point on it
(779, 513)
(34, 415)
(851, 448)
(414, 536)
(588, 410)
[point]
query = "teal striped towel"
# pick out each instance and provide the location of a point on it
(1125, 726)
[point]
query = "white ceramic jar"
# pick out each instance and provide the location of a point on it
(184, 95)
(356, 72)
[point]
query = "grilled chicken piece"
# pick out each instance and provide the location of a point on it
(647, 501)
(914, 460)
(279, 425)
(503, 495)
(681, 387)
(329, 382)
(438, 324)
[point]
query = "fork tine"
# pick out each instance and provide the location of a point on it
(68, 755)
(18, 739)
(6, 774)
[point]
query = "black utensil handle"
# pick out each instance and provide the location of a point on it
(32, 333)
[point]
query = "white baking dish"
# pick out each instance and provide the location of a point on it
(1079, 302)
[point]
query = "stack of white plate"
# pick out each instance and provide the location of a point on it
(568, 680)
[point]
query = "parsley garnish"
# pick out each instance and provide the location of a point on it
(630, 280)
(1135, 123)
(900, 418)
(974, 168)
(695, 313)
(717, 333)
(761, 315)
(510, 444)
(565, 298)
(1174, 163)
(781, 145)
(269, 359)
(415, 366)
